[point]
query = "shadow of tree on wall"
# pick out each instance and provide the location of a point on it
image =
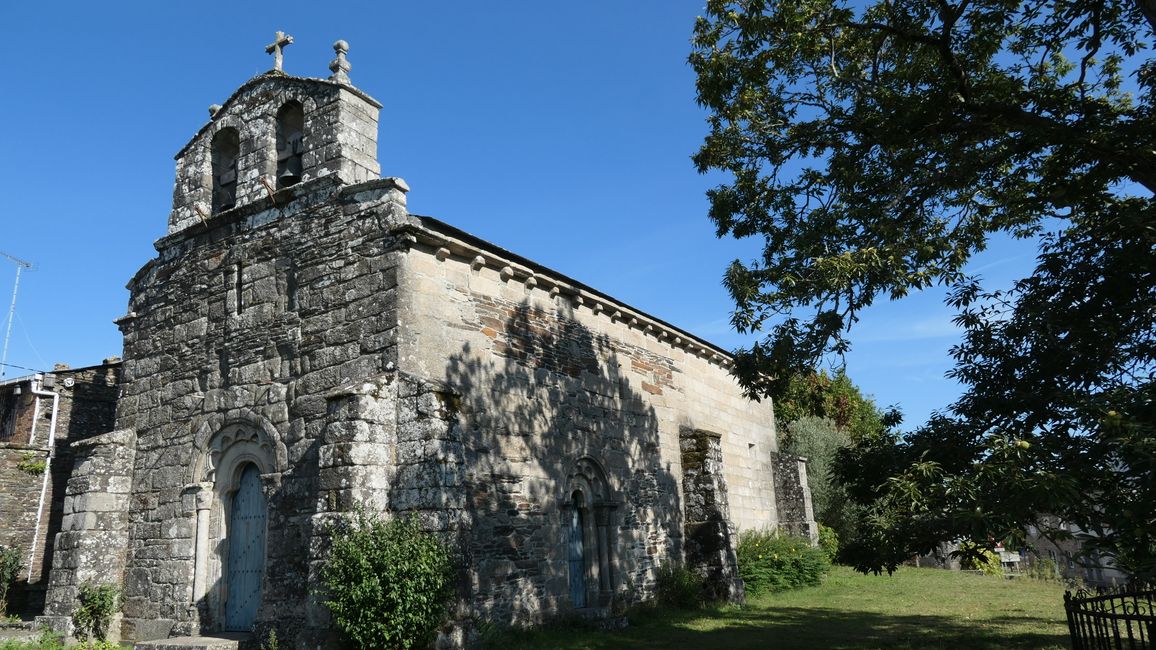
(525, 406)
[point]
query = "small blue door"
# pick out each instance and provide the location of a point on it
(577, 559)
(246, 535)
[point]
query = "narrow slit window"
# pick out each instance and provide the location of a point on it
(238, 286)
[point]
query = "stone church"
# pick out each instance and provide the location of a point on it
(302, 346)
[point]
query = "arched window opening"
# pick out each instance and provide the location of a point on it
(226, 149)
(290, 134)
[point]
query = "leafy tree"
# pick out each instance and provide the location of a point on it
(837, 398)
(818, 415)
(819, 440)
(875, 148)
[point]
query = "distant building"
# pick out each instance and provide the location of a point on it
(1069, 556)
(41, 417)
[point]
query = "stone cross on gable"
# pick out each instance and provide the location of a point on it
(275, 48)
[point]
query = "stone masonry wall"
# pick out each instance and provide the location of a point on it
(26, 497)
(710, 538)
(250, 321)
(87, 408)
(86, 400)
(340, 139)
(17, 410)
(796, 514)
(546, 377)
(92, 547)
(19, 498)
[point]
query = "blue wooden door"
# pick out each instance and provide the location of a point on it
(577, 560)
(246, 534)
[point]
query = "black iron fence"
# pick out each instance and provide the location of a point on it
(1112, 618)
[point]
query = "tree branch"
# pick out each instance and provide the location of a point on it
(1138, 168)
(1148, 10)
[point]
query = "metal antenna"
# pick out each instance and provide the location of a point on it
(20, 266)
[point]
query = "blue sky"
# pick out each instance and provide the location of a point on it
(561, 131)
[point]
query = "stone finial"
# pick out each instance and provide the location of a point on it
(282, 39)
(213, 110)
(340, 66)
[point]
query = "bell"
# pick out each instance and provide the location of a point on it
(290, 172)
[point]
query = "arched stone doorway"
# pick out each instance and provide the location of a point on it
(232, 526)
(588, 513)
(245, 553)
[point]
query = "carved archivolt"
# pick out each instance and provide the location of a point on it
(588, 478)
(224, 445)
(228, 440)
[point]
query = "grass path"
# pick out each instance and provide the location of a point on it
(915, 608)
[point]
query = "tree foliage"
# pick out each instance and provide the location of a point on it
(875, 148)
(836, 398)
(819, 415)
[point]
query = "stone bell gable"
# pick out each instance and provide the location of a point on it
(302, 346)
(275, 131)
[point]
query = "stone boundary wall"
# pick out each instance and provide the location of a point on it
(710, 535)
(93, 544)
(793, 495)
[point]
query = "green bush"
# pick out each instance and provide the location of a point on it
(32, 464)
(973, 557)
(387, 583)
(1042, 568)
(772, 562)
(10, 566)
(829, 542)
(677, 587)
(94, 613)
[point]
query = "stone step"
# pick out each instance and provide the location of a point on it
(224, 641)
(12, 634)
(17, 625)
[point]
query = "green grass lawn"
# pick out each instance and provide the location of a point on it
(915, 608)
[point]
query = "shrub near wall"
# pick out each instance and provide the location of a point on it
(10, 566)
(770, 562)
(388, 583)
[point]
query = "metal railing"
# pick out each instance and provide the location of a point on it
(1116, 618)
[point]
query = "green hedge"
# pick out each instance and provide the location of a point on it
(771, 562)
